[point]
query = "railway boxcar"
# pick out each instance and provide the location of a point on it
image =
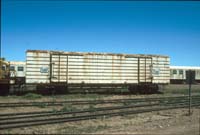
(62, 70)
(178, 74)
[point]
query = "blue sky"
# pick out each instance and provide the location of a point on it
(168, 28)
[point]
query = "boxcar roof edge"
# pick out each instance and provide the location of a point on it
(95, 53)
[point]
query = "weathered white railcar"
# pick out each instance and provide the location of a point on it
(178, 74)
(17, 72)
(68, 68)
(17, 68)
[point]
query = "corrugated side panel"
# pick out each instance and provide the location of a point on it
(37, 67)
(95, 69)
(161, 70)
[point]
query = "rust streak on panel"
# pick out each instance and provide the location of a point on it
(120, 73)
(138, 70)
(51, 71)
(59, 69)
(112, 65)
(67, 71)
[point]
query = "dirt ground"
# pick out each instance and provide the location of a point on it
(175, 122)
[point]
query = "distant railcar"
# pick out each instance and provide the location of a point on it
(62, 70)
(178, 74)
(17, 72)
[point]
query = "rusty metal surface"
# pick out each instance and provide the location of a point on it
(103, 68)
(95, 53)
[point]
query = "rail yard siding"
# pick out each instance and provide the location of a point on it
(68, 67)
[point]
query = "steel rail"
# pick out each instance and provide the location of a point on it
(28, 104)
(48, 113)
(78, 112)
(83, 101)
(26, 113)
(94, 116)
(96, 110)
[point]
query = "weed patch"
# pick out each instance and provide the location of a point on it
(68, 108)
(32, 96)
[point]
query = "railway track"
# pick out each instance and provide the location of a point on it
(41, 118)
(85, 102)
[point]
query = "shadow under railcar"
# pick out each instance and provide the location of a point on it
(60, 89)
